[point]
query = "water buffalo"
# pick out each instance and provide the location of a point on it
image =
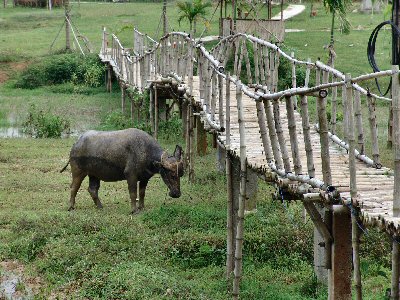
(131, 155)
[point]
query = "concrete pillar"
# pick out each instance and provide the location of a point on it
(366, 6)
(341, 254)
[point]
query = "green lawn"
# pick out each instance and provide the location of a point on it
(175, 249)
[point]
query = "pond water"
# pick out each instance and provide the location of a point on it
(11, 132)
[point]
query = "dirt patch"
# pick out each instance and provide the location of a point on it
(14, 284)
(7, 69)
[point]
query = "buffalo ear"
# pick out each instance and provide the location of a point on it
(178, 152)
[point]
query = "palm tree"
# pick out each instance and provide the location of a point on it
(339, 8)
(192, 10)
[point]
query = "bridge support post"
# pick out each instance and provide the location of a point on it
(185, 118)
(123, 98)
(201, 136)
(340, 277)
(109, 79)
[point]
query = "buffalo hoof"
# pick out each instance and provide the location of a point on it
(71, 208)
(135, 212)
(100, 206)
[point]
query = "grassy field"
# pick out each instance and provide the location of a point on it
(175, 249)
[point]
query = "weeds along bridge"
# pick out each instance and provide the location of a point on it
(288, 135)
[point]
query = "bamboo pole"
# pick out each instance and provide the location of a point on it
(358, 115)
(213, 94)
(293, 136)
(324, 139)
(270, 70)
(272, 134)
(307, 136)
(248, 67)
(236, 44)
(228, 160)
(263, 131)
(239, 66)
(155, 112)
(151, 109)
(281, 137)
(334, 107)
(262, 63)
(191, 140)
(256, 64)
(275, 73)
(353, 184)
(373, 130)
(242, 196)
(123, 97)
(294, 80)
(221, 100)
(396, 190)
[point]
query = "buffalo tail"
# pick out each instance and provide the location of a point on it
(63, 169)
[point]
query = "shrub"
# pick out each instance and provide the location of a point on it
(40, 124)
(63, 68)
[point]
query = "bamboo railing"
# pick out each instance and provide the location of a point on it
(288, 115)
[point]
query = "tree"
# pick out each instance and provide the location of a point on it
(338, 8)
(192, 10)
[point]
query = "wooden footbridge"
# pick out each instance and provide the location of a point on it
(309, 137)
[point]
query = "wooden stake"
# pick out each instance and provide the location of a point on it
(242, 196)
(213, 94)
(263, 131)
(334, 107)
(256, 64)
(221, 100)
(294, 81)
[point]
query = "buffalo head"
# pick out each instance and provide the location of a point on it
(171, 169)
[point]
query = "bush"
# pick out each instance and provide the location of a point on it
(63, 68)
(44, 125)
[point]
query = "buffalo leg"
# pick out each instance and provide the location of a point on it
(142, 191)
(77, 178)
(93, 189)
(132, 186)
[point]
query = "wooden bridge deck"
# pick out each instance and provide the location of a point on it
(374, 186)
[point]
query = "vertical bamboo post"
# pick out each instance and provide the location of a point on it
(263, 60)
(373, 130)
(334, 106)
(230, 214)
(294, 80)
(272, 134)
(281, 137)
(270, 70)
(256, 64)
(235, 64)
(293, 135)
(248, 66)
(396, 190)
(151, 109)
(208, 79)
(242, 196)
(132, 111)
(155, 112)
(191, 140)
(239, 66)
(213, 93)
(317, 82)
(324, 139)
(263, 131)
(275, 73)
(358, 115)
(123, 96)
(221, 100)
(351, 107)
(190, 68)
(307, 136)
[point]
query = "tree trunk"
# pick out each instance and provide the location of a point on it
(332, 28)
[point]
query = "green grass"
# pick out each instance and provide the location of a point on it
(175, 249)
